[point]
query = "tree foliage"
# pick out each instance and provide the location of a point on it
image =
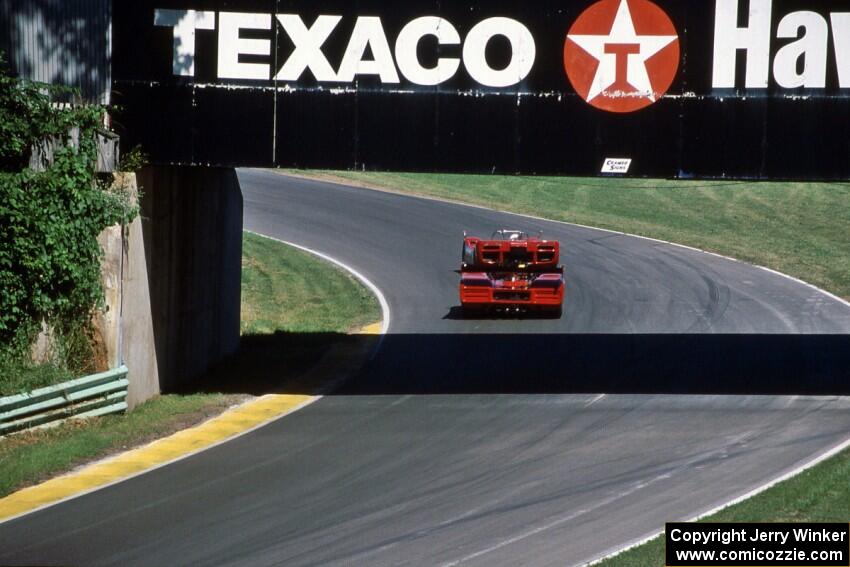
(50, 220)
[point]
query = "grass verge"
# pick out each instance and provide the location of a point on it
(294, 306)
(818, 494)
(16, 377)
(34, 456)
(295, 309)
(285, 289)
(67, 355)
(797, 228)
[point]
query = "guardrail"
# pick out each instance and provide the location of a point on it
(98, 394)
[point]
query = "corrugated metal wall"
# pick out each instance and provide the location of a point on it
(65, 42)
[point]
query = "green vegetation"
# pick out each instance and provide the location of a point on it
(798, 228)
(817, 495)
(303, 304)
(31, 457)
(17, 377)
(295, 310)
(285, 289)
(49, 224)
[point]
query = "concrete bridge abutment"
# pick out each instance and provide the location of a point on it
(173, 276)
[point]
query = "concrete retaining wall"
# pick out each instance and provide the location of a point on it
(172, 279)
(125, 327)
(137, 329)
(192, 228)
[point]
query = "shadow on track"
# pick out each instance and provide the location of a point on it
(277, 363)
(457, 313)
(532, 364)
(650, 364)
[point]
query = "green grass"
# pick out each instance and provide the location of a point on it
(798, 228)
(70, 355)
(30, 457)
(819, 494)
(16, 378)
(294, 306)
(285, 289)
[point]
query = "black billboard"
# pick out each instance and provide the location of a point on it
(698, 88)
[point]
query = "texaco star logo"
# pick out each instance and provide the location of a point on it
(622, 55)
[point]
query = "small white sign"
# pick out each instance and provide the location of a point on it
(616, 165)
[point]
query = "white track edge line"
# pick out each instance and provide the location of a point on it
(385, 309)
(802, 468)
(567, 223)
(737, 500)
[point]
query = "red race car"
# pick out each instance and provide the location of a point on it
(511, 272)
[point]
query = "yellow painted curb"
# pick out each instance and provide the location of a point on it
(232, 423)
(373, 329)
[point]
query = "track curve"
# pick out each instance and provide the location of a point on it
(487, 442)
(410, 248)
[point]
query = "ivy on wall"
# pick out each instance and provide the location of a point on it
(50, 220)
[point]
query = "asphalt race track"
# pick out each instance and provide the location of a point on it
(674, 382)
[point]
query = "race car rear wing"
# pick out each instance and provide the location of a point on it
(530, 255)
(465, 269)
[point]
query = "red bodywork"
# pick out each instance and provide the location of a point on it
(512, 272)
